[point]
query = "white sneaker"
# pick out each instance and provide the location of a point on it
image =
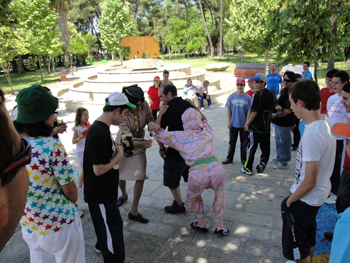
(274, 161)
(280, 166)
(81, 191)
(202, 109)
(332, 198)
(246, 171)
(211, 106)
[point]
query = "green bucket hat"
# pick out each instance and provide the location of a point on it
(35, 104)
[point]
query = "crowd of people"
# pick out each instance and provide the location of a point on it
(38, 181)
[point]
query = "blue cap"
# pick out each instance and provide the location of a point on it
(260, 76)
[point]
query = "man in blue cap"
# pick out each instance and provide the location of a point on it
(258, 123)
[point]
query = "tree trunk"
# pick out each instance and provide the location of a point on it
(315, 56)
(154, 25)
(331, 60)
(113, 55)
(48, 65)
(266, 63)
(53, 65)
(41, 73)
(63, 27)
(6, 68)
(206, 29)
(121, 57)
(220, 29)
(20, 65)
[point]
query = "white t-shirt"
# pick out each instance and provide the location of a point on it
(81, 144)
(336, 110)
(317, 144)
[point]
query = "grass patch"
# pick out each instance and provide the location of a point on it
(21, 81)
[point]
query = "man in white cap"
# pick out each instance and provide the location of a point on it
(101, 177)
(258, 123)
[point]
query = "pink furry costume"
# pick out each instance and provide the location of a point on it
(195, 145)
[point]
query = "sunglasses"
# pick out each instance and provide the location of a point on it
(258, 81)
(22, 159)
(287, 80)
(239, 84)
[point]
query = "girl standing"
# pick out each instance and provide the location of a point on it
(80, 130)
(153, 97)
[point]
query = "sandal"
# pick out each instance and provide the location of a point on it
(195, 225)
(221, 232)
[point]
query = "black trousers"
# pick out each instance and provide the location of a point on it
(296, 133)
(335, 177)
(255, 139)
(154, 114)
(243, 137)
(108, 226)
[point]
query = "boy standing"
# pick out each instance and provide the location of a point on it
(101, 177)
(337, 113)
(306, 73)
(314, 164)
(252, 88)
(238, 104)
(327, 91)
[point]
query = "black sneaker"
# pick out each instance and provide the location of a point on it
(175, 208)
(195, 225)
(328, 236)
(227, 161)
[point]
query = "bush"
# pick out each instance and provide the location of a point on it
(105, 57)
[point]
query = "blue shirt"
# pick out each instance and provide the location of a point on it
(306, 75)
(273, 82)
(239, 105)
(193, 87)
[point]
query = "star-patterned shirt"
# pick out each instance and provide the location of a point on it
(47, 209)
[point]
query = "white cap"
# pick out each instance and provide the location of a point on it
(118, 99)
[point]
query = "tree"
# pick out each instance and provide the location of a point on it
(91, 42)
(250, 20)
(37, 24)
(206, 30)
(62, 8)
(304, 28)
(11, 44)
(115, 24)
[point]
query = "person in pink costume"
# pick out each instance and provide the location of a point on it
(195, 145)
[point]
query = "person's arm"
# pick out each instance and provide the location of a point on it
(228, 115)
(252, 116)
(309, 182)
(77, 138)
(282, 113)
(70, 191)
(101, 169)
(200, 90)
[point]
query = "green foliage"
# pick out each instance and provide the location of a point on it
(116, 23)
(231, 40)
(77, 42)
(304, 30)
(250, 20)
(90, 41)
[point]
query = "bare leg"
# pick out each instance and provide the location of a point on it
(138, 187)
(81, 178)
(311, 253)
(122, 186)
(309, 258)
(176, 194)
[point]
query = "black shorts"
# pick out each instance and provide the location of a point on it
(343, 197)
(173, 170)
(299, 229)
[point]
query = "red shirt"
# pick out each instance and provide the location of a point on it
(153, 94)
(324, 98)
(346, 165)
(250, 92)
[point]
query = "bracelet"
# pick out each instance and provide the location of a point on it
(76, 200)
(78, 139)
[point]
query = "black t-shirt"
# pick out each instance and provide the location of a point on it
(172, 119)
(283, 101)
(99, 149)
(264, 103)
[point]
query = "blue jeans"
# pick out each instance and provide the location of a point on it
(201, 99)
(283, 138)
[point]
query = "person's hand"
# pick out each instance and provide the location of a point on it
(59, 129)
(152, 126)
(207, 97)
(119, 147)
(288, 203)
(246, 127)
(163, 109)
(62, 124)
(162, 153)
(279, 108)
(229, 125)
(148, 144)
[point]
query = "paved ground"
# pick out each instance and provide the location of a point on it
(252, 212)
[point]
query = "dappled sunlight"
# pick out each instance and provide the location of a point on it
(201, 243)
(242, 230)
